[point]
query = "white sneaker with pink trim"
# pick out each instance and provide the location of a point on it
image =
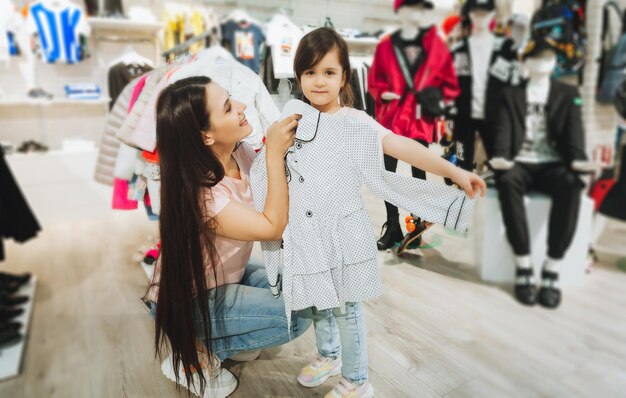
(345, 389)
(220, 383)
(319, 370)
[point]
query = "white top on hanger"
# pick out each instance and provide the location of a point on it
(240, 15)
(283, 37)
(131, 56)
(55, 3)
(7, 11)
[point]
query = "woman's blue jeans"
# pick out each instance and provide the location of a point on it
(246, 316)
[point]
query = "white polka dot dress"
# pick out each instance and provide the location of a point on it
(328, 254)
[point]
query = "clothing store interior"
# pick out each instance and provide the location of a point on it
(169, 225)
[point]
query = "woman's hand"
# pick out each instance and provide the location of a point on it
(281, 135)
(469, 182)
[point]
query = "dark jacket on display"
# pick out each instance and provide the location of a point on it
(565, 126)
(17, 221)
(435, 70)
(503, 72)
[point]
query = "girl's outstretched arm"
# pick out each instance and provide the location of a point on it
(417, 155)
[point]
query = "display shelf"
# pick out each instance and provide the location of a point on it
(11, 357)
(126, 25)
(53, 102)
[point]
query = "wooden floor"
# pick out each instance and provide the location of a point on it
(436, 332)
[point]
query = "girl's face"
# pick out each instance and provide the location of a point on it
(228, 124)
(322, 83)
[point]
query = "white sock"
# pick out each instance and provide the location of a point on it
(551, 264)
(523, 261)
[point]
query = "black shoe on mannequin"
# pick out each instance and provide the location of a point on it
(413, 239)
(8, 300)
(525, 289)
(392, 235)
(12, 326)
(9, 287)
(8, 313)
(549, 293)
(20, 279)
(8, 339)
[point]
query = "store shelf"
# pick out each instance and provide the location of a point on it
(126, 25)
(53, 102)
(11, 357)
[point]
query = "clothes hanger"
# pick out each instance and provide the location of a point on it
(131, 56)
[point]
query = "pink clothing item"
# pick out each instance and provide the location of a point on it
(144, 134)
(120, 196)
(233, 254)
(136, 91)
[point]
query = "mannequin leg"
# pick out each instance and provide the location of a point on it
(417, 173)
(512, 186)
(465, 136)
(391, 164)
(486, 137)
(391, 232)
(564, 187)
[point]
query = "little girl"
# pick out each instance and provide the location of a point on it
(322, 68)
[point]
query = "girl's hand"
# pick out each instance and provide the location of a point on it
(281, 135)
(469, 182)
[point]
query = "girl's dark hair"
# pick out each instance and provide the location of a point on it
(188, 168)
(313, 47)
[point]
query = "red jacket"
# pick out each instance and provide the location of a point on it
(385, 75)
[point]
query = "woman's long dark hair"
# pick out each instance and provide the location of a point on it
(188, 167)
(313, 47)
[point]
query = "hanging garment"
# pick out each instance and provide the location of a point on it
(109, 146)
(139, 101)
(614, 204)
(243, 84)
(17, 220)
(329, 248)
(283, 37)
(7, 11)
(244, 42)
(120, 75)
(59, 25)
(436, 70)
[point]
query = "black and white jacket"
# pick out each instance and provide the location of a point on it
(328, 252)
(563, 114)
(503, 72)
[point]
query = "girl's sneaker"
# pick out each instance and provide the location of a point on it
(345, 389)
(319, 370)
(220, 383)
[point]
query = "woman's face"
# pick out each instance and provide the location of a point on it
(322, 83)
(228, 124)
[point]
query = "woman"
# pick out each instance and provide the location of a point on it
(211, 303)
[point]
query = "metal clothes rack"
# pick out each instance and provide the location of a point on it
(183, 48)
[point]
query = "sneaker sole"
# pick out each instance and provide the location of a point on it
(246, 356)
(320, 381)
(404, 246)
(220, 392)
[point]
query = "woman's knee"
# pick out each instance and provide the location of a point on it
(300, 322)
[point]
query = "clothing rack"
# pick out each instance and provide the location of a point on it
(183, 48)
(124, 39)
(129, 39)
